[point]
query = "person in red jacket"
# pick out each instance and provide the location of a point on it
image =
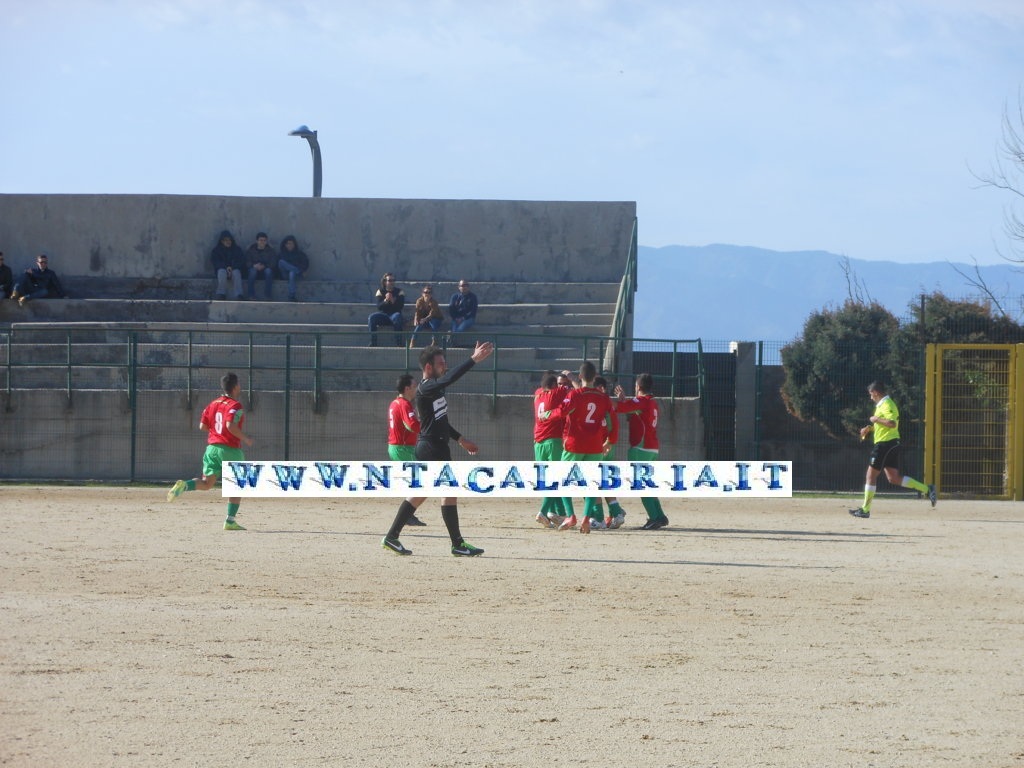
(222, 420)
(590, 430)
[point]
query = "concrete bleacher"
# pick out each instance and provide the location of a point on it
(551, 277)
(530, 337)
(148, 342)
(228, 334)
(580, 308)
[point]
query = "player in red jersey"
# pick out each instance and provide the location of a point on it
(590, 430)
(404, 427)
(547, 440)
(642, 411)
(222, 420)
(616, 514)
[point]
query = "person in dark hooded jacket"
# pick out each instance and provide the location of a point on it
(292, 263)
(6, 278)
(228, 265)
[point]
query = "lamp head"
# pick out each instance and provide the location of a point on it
(304, 132)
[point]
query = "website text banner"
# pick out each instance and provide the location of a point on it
(508, 479)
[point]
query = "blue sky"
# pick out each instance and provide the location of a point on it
(848, 126)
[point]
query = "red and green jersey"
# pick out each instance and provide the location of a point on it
(216, 417)
(588, 413)
(403, 426)
(547, 400)
(643, 421)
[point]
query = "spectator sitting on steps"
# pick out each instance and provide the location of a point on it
(6, 279)
(228, 265)
(390, 300)
(462, 308)
(38, 282)
(428, 315)
(292, 263)
(259, 260)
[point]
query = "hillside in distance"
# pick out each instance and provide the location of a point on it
(742, 293)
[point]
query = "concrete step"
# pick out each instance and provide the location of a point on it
(344, 361)
(301, 354)
(379, 379)
(32, 339)
(357, 291)
(339, 315)
(25, 340)
(517, 373)
(337, 382)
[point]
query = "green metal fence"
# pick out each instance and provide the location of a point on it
(302, 373)
(106, 357)
(293, 383)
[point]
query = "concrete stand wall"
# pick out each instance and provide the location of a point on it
(171, 236)
(89, 437)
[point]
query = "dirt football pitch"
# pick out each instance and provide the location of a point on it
(134, 632)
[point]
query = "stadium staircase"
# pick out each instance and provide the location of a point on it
(177, 323)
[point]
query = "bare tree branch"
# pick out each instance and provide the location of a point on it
(1007, 175)
(856, 289)
(979, 284)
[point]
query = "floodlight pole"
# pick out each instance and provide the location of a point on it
(314, 148)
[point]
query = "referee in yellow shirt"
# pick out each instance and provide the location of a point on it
(885, 427)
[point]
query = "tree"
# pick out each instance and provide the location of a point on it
(1007, 174)
(829, 367)
(841, 351)
(941, 320)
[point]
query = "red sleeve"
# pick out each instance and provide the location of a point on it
(409, 419)
(627, 406)
(565, 408)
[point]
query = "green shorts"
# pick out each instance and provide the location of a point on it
(548, 450)
(569, 456)
(215, 455)
(402, 453)
(641, 454)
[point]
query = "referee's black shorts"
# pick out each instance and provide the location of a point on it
(427, 450)
(886, 454)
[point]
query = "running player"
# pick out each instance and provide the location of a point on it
(885, 428)
(642, 413)
(433, 443)
(590, 430)
(222, 420)
(403, 427)
(547, 440)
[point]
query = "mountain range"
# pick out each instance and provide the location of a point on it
(742, 293)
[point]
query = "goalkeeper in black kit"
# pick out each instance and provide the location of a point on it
(433, 443)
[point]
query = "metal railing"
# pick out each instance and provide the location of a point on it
(137, 359)
(627, 293)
